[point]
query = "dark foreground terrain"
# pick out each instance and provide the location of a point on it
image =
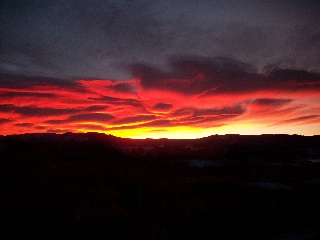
(88, 188)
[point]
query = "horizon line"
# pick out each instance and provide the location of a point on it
(227, 134)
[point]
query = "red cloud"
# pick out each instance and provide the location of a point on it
(300, 120)
(197, 93)
(139, 118)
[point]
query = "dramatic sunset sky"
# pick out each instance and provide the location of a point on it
(172, 69)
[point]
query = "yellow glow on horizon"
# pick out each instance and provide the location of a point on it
(185, 132)
(172, 133)
(192, 132)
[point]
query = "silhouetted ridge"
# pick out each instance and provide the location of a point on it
(97, 186)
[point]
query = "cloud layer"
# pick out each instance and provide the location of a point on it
(141, 68)
(97, 39)
(198, 93)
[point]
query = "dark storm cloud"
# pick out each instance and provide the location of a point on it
(300, 76)
(93, 39)
(278, 80)
(190, 65)
(193, 75)
(293, 80)
(18, 81)
(150, 76)
(34, 111)
(123, 87)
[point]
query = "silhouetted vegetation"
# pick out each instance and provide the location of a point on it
(76, 189)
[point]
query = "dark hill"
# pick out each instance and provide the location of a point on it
(96, 186)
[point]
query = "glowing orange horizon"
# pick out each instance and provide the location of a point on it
(130, 109)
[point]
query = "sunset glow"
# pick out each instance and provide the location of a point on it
(160, 69)
(172, 108)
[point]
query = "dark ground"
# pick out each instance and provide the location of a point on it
(90, 190)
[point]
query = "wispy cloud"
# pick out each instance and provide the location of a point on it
(197, 93)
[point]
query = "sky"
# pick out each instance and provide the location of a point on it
(160, 69)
